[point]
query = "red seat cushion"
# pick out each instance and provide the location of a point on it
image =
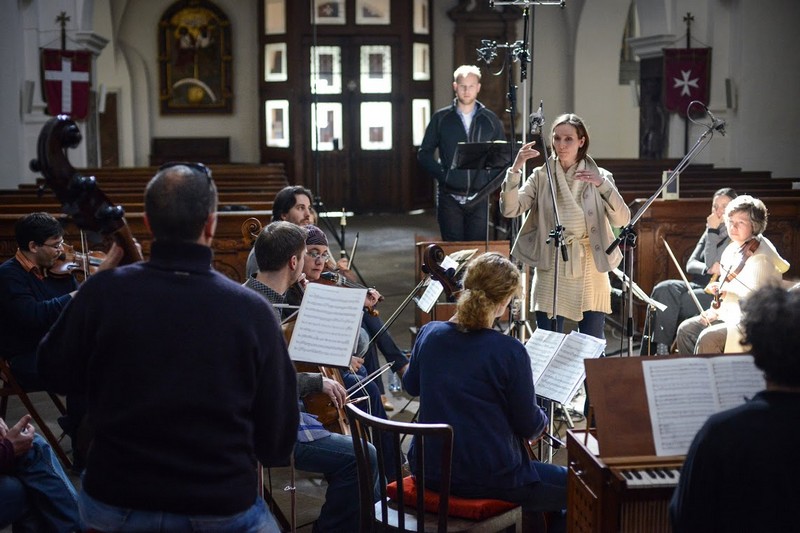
(471, 509)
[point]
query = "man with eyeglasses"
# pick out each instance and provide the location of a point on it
(188, 379)
(31, 299)
(280, 250)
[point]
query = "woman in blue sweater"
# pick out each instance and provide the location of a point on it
(479, 381)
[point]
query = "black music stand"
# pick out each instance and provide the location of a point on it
(484, 155)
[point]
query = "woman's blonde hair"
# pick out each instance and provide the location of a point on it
(490, 280)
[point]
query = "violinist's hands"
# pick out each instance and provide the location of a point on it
(713, 221)
(525, 153)
(20, 435)
(714, 269)
(372, 298)
(341, 267)
(356, 363)
(589, 176)
(113, 257)
(335, 391)
(302, 281)
(712, 288)
(708, 316)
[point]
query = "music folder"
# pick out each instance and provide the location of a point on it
(484, 155)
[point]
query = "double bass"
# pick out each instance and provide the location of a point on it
(80, 196)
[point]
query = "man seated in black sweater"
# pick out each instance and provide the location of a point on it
(187, 376)
(280, 251)
(727, 483)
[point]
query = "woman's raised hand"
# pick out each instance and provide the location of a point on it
(526, 152)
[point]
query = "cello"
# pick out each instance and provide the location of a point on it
(80, 196)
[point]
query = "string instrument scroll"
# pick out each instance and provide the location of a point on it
(80, 196)
(431, 265)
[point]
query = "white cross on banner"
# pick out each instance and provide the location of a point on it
(66, 81)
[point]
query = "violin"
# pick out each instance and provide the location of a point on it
(746, 251)
(332, 277)
(80, 196)
(71, 262)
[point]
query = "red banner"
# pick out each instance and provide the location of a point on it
(686, 77)
(66, 80)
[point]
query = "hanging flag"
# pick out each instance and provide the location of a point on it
(66, 81)
(686, 77)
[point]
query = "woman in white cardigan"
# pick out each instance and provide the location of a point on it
(589, 204)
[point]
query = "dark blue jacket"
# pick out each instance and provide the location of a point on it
(481, 384)
(444, 132)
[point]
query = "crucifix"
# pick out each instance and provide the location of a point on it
(62, 19)
(688, 19)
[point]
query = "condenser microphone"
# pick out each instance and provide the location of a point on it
(537, 119)
(488, 51)
(716, 124)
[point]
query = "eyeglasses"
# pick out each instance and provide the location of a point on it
(316, 256)
(56, 246)
(197, 167)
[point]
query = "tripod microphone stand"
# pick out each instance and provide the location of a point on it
(627, 237)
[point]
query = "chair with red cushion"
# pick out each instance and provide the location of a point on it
(419, 509)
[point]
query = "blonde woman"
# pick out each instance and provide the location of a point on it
(479, 381)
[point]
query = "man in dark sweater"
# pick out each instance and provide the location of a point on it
(466, 120)
(726, 484)
(188, 380)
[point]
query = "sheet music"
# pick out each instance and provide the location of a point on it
(736, 378)
(682, 393)
(541, 348)
(327, 325)
(562, 357)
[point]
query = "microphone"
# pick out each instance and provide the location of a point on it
(537, 119)
(488, 51)
(716, 124)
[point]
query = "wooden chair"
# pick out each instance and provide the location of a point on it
(413, 507)
(12, 388)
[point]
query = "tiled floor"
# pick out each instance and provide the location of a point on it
(385, 258)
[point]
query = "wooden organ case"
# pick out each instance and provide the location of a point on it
(615, 482)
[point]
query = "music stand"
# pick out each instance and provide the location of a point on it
(489, 155)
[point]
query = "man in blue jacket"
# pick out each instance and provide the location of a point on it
(466, 120)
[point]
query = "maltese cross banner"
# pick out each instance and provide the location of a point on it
(66, 81)
(686, 77)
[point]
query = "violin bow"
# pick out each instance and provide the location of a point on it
(352, 252)
(367, 380)
(683, 277)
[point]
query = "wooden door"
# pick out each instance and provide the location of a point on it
(352, 138)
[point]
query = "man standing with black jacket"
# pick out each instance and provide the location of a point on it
(466, 120)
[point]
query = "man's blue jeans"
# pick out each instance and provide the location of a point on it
(334, 457)
(38, 492)
(108, 518)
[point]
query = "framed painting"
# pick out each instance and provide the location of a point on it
(373, 12)
(421, 25)
(195, 59)
(274, 17)
(277, 123)
(275, 62)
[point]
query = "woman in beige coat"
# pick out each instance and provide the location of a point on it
(589, 204)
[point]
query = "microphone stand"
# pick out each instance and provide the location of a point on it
(627, 237)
